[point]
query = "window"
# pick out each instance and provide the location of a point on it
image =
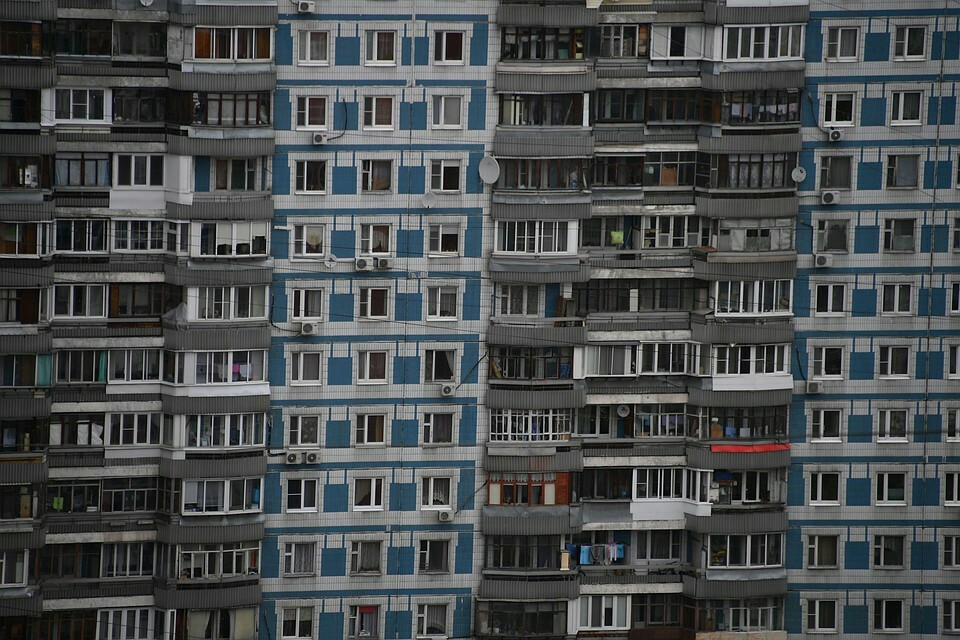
(81, 236)
(435, 493)
(955, 297)
(523, 489)
(373, 303)
(828, 362)
(951, 494)
(299, 558)
(301, 495)
(312, 112)
(22, 39)
(746, 171)
(518, 300)
(238, 43)
(443, 239)
(297, 622)
(737, 360)
(822, 616)
(532, 236)
(134, 365)
(835, 172)
(824, 488)
(951, 616)
(365, 556)
(311, 176)
(677, 46)
(441, 303)
(235, 174)
(31, 172)
(82, 170)
(898, 234)
(441, 365)
(623, 105)
(891, 488)
(888, 552)
(953, 425)
(134, 429)
(618, 171)
(903, 171)
(543, 174)
(838, 109)
(139, 39)
(447, 112)
(445, 176)
(230, 109)
(305, 368)
(308, 304)
(910, 43)
(894, 362)
(431, 620)
(753, 297)
(604, 612)
(832, 235)
(539, 43)
(381, 48)
(225, 430)
(129, 494)
(72, 367)
(951, 552)
(448, 47)
(378, 113)
(825, 424)
(376, 176)
(370, 429)
(888, 615)
(138, 235)
(953, 360)
(625, 41)
(822, 552)
(13, 567)
(221, 496)
(842, 44)
(304, 431)
(664, 105)
(313, 47)
(896, 299)
(437, 428)
(434, 556)
(906, 107)
(757, 550)
(368, 494)
(79, 301)
(139, 170)
(659, 545)
(364, 622)
(892, 425)
(374, 239)
(218, 367)
(233, 238)
(830, 299)
(79, 104)
(308, 240)
(773, 42)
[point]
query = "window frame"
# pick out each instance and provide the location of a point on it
(814, 615)
(358, 554)
(830, 299)
(366, 302)
(886, 423)
(302, 622)
(367, 428)
(429, 488)
(884, 486)
(890, 358)
(153, 168)
(818, 489)
(818, 422)
(429, 428)
(308, 497)
(441, 111)
(815, 550)
(302, 307)
(304, 46)
(304, 170)
(299, 249)
(430, 357)
(902, 37)
(438, 298)
(376, 494)
(896, 299)
(835, 43)
(439, 176)
(305, 110)
(827, 173)
(425, 552)
(441, 44)
(373, 55)
(299, 361)
(880, 615)
(892, 180)
(900, 106)
(372, 174)
(831, 102)
(296, 427)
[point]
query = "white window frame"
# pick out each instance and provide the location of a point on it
(82, 301)
(819, 422)
(307, 304)
(835, 41)
(951, 488)
(234, 53)
(152, 170)
(216, 304)
(441, 109)
(438, 299)
(883, 488)
(19, 559)
(510, 295)
(886, 420)
(830, 104)
(903, 35)
(432, 489)
(305, 50)
(371, 110)
(430, 427)
(438, 236)
(900, 106)
(369, 169)
(951, 553)
(301, 617)
(439, 176)
(815, 615)
(887, 359)
(953, 424)
(366, 302)
(879, 545)
(374, 56)
(880, 610)
(301, 177)
(426, 551)
(896, 295)
(366, 364)
(424, 616)
(85, 99)
(442, 45)
(835, 292)
(357, 554)
(247, 168)
(813, 551)
(890, 178)
(430, 358)
(299, 363)
(306, 109)
(370, 231)
(366, 428)
(355, 619)
(818, 487)
(894, 239)
(298, 426)
(951, 616)
(234, 238)
(301, 248)
(307, 492)
(615, 608)
(226, 489)
(755, 42)
(819, 363)
(953, 361)
(376, 495)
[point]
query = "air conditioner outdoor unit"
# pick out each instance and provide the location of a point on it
(447, 390)
(823, 261)
(319, 138)
(311, 457)
(814, 387)
(829, 197)
(384, 263)
(292, 458)
(445, 516)
(308, 329)
(306, 6)
(364, 264)
(835, 135)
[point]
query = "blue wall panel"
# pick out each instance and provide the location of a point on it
(335, 497)
(330, 626)
(932, 431)
(873, 113)
(413, 116)
(471, 299)
(281, 174)
(341, 307)
(924, 555)
(858, 492)
(271, 492)
(281, 110)
(409, 306)
(479, 44)
(466, 489)
(347, 51)
(411, 180)
(870, 176)
(333, 562)
(405, 433)
(926, 492)
(477, 110)
(201, 174)
(410, 243)
(340, 371)
(473, 237)
(861, 365)
(923, 619)
(942, 171)
(814, 34)
(403, 496)
(421, 51)
(346, 116)
(864, 303)
(468, 426)
(397, 625)
(860, 428)
(795, 487)
(469, 363)
(406, 370)
(463, 559)
(344, 180)
(343, 244)
(338, 434)
(932, 360)
(283, 45)
(794, 548)
(855, 618)
(400, 560)
(876, 47)
(856, 555)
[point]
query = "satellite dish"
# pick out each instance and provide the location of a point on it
(623, 410)
(489, 170)
(799, 174)
(146, 3)
(429, 200)
(330, 262)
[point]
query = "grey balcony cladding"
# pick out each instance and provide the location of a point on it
(752, 80)
(21, 407)
(193, 274)
(513, 336)
(629, 578)
(222, 82)
(230, 404)
(25, 471)
(760, 521)
(26, 605)
(733, 589)
(40, 212)
(217, 338)
(535, 82)
(570, 398)
(631, 386)
(36, 343)
(218, 596)
(769, 143)
(543, 146)
(228, 16)
(637, 449)
(537, 211)
(784, 266)
(516, 588)
(29, 145)
(220, 147)
(708, 398)
(748, 207)
(186, 534)
(741, 332)
(720, 13)
(536, 15)
(538, 271)
(245, 466)
(34, 10)
(528, 461)
(15, 76)
(228, 208)
(519, 521)
(33, 539)
(77, 590)
(704, 458)
(620, 135)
